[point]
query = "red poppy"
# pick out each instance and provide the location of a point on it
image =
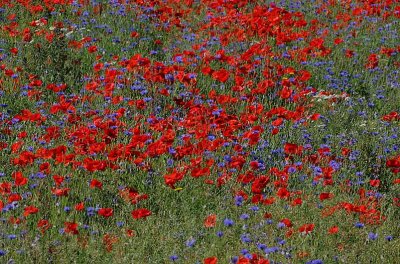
(221, 75)
(14, 51)
(285, 92)
(141, 213)
(96, 184)
(372, 61)
(43, 225)
(92, 49)
(375, 183)
(105, 212)
(80, 206)
(30, 210)
(259, 184)
(297, 201)
(130, 233)
(71, 228)
(211, 260)
(58, 179)
(283, 193)
(307, 228)
(290, 148)
(20, 180)
(333, 230)
(60, 192)
(210, 220)
(325, 196)
(287, 222)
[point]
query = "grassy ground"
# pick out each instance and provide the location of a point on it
(139, 101)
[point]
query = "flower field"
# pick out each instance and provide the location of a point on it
(200, 131)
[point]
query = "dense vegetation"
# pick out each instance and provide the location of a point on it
(215, 131)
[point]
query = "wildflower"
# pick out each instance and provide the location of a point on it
(315, 261)
(190, 243)
(271, 250)
(254, 208)
(234, 259)
(210, 220)
(372, 236)
(244, 216)
(141, 213)
(239, 200)
(105, 212)
(359, 225)
(245, 238)
(228, 222)
(211, 260)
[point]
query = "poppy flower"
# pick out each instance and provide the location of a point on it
(130, 233)
(372, 61)
(43, 225)
(30, 210)
(210, 220)
(221, 75)
(325, 196)
(96, 184)
(307, 228)
(20, 180)
(141, 213)
(14, 51)
(374, 182)
(71, 228)
(333, 230)
(80, 206)
(92, 49)
(60, 192)
(210, 260)
(290, 148)
(287, 222)
(105, 212)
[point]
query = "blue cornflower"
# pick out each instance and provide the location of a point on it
(254, 208)
(239, 200)
(359, 225)
(173, 257)
(228, 222)
(261, 246)
(281, 225)
(317, 171)
(90, 211)
(372, 236)
(190, 243)
(315, 261)
(244, 251)
(271, 250)
(244, 216)
(245, 238)
(220, 233)
(12, 236)
(389, 238)
(234, 259)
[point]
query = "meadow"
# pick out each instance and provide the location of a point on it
(199, 131)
